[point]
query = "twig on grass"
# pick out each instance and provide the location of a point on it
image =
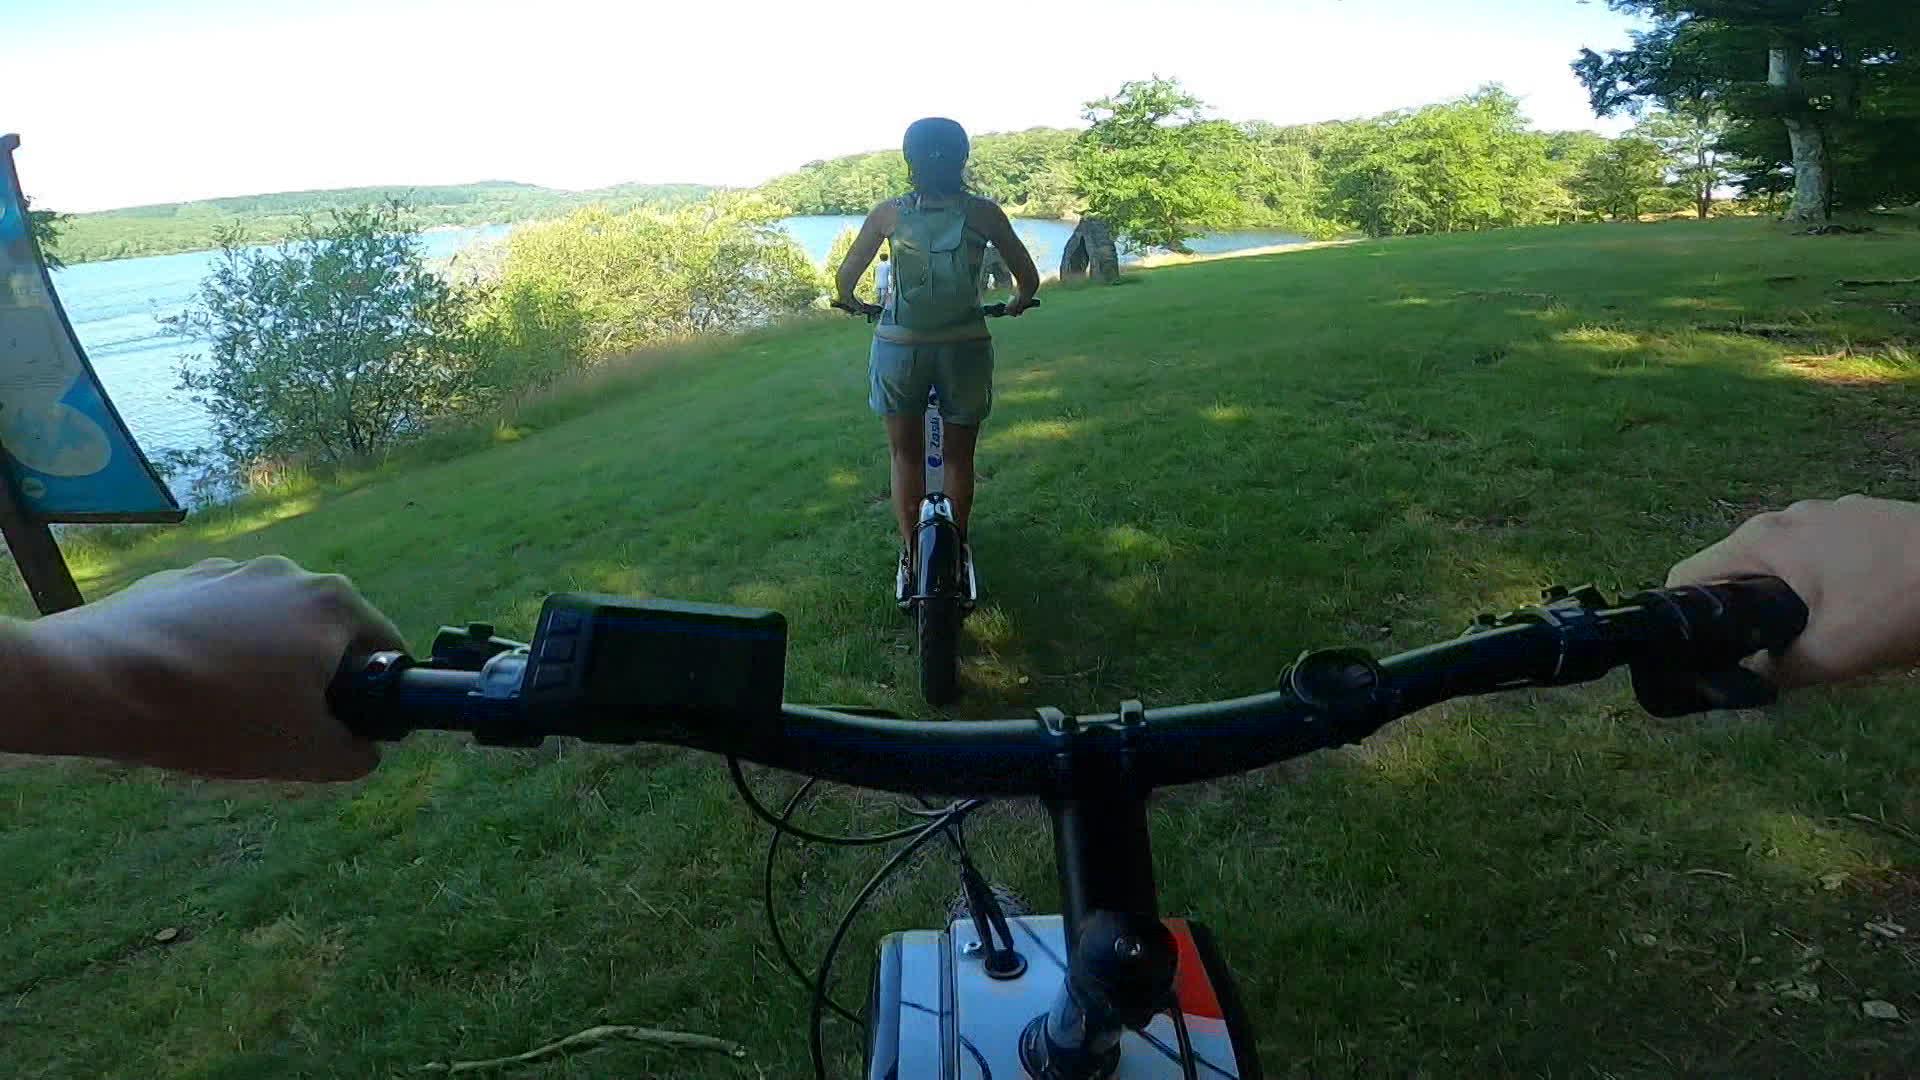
(592, 1038)
(1898, 830)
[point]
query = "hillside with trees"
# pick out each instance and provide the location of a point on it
(164, 228)
(1156, 164)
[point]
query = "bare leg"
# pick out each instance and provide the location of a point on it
(907, 439)
(960, 441)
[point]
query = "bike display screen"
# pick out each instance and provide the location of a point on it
(660, 654)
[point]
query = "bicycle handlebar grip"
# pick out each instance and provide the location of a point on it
(994, 311)
(1721, 624)
(360, 695)
(1731, 620)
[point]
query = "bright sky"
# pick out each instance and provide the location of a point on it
(121, 102)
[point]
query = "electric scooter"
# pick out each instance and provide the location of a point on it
(943, 587)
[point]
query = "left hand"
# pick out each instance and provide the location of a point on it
(1017, 305)
(220, 669)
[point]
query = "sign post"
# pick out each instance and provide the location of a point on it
(65, 454)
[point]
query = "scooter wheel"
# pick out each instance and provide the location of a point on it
(939, 649)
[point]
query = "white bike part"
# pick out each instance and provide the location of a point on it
(936, 1014)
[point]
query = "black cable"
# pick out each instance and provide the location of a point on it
(760, 810)
(773, 920)
(1187, 1068)
(815, 1042)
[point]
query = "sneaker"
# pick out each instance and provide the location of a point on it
(903, 578)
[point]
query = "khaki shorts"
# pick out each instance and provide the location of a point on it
(899, 376)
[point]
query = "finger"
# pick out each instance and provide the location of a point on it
(276, 565)
(363, 627)
(212, 564)
(1730, 558)
(372, 630)
(1744, 552)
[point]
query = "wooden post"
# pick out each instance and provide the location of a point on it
(34, 550)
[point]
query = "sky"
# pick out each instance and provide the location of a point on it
(126, 102)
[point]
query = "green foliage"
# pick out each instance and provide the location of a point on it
(1625, 178)
(1857, 84)
(1153, 166)
(1461, 165)
(1689, 134)
(836, 255)
(46, 226)
(524, 334)
(1280, 182)
(1026, 172)
(847, 185)
(619, 281)
(170, 227)
(333, 344)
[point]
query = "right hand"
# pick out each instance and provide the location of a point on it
(1856, 563)
(220, 669)
(1019, 304)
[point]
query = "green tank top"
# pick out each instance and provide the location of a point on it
(937, 258)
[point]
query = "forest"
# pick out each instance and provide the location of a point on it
(189, 226)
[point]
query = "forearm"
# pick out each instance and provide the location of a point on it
(848, 279)
(1026, 276)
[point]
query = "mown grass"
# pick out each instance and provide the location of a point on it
(1188, 478)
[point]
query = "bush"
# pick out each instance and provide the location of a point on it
(838, 254)
(331, 345)
(613, 282)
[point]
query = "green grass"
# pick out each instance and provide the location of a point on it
(1188, 478)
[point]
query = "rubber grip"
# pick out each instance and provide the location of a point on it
(1765, 612)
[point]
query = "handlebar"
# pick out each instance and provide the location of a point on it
(1683, 645)
(872, 311)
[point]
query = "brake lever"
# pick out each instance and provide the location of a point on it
(469, 647)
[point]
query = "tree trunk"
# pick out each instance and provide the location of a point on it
(1703, 179)
(1812, 193)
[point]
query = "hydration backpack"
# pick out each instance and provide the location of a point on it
(936, 268)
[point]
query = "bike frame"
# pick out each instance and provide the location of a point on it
(937, 1010)
(936, 476)
(940, 569)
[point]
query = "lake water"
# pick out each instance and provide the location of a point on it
(115, 308)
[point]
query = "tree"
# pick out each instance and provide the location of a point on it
(1280, 182)
(1466, 164)
(1027, 172)
(635, 278)
(1832, 76)
(1621, 178)
(1153, 166)
(333, 344)
(1688, 133)
(46, 226)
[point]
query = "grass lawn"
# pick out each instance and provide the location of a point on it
(1187, 479)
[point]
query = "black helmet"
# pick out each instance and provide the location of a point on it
(935, 139)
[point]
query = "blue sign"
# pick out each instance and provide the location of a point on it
(71, 456)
